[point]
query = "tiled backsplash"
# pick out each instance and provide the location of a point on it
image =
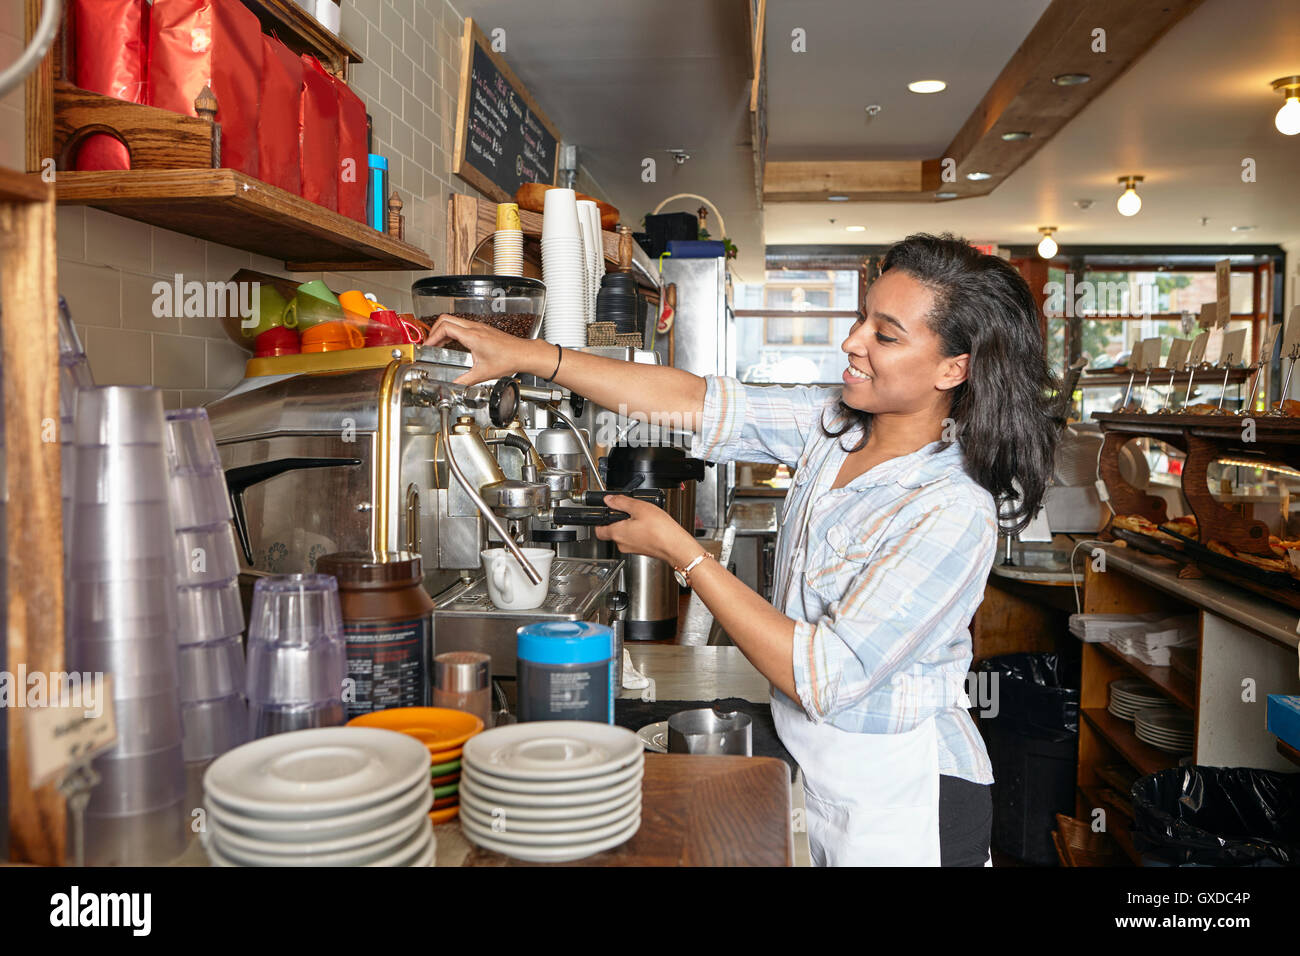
(108, 265)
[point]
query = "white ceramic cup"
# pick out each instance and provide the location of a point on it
(508, 586)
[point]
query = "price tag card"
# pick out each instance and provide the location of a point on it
(1214, 345)
(1291, 331)
(1270, 339)
(78, 723)
(1223, 286)
(1234, 348)
(1151, 352)
(1178, 351)
(1134, 362)
(1207, 317)
(1197, 355)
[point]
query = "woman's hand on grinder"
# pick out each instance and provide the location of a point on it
(495, 353)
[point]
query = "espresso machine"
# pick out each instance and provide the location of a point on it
(377, 449)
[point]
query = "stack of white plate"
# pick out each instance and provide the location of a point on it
(1131, 694)
(552, 790)
(564, 270)
(331, 796)
(1167, 728)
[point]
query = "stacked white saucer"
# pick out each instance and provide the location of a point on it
(330, 796)
(551, 791)
(1166, 728)
(1129, 695)
(564, 270)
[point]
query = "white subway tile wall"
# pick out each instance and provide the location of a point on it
(108, 265)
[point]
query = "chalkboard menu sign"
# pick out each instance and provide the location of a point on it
(502, 139)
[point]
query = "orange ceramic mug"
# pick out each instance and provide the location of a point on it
(332, 337)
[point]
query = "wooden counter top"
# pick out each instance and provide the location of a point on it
(696, 811)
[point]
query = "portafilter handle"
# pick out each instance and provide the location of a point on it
(444, 412)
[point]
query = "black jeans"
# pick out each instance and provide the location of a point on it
(965, 821)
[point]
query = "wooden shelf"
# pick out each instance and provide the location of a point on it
(232, 209)
(1169, 682)
(1119, 734)
(1289, 752)
(302, 33)
(1122, 834)
(19, 187)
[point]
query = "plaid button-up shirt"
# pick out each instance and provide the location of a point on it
(881, 577)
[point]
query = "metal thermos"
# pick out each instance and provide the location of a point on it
(652, 589)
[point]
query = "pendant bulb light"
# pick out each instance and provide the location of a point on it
(1287, 119)
(1129, 202)
(1047, 247)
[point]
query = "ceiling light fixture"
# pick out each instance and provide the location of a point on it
(927, 86)
(978, 177)
(1016, 135)
(1243, 228)
(945, 195)
(837, 198)
(1083, 203)
(1129, 202)
(855, 228)
(1287, 119)
(1047, 246)
(1071, 79)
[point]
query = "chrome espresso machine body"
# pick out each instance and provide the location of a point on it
(393, 456)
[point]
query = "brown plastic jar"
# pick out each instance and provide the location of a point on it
(388, 625)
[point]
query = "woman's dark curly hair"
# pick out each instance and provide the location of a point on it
(1004, 409)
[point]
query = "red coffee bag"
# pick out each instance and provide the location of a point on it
(213, 43)
(318, 125)
(354, 161)
(278, 149)
(111, 40)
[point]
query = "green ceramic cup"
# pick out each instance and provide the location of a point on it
(314, 304)
(269, 310)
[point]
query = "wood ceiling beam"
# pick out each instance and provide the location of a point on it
(1023, 97)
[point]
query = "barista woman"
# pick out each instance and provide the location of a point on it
(887, 537)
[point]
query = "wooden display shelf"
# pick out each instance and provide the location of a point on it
(302, 33)
(232, 209)
(1119, 734)
(1160, 377)
(1167, 680)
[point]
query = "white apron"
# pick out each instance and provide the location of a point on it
(872, 799)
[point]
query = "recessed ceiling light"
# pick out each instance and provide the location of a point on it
(1016, 135)
(945, 195)
(1084, 203)
(977, 177)
(837, 198)
(1071, 79)
(855, 228)
(927, 86)
(1242, 228)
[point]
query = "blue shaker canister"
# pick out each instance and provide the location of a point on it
(377, 193)
(566, 671)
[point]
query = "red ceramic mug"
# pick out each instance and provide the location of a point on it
(277, 340)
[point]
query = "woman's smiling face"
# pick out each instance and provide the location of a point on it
(895, 360)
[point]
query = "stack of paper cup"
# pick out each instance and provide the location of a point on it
(564, 270)
(508, 242)
(593, 247)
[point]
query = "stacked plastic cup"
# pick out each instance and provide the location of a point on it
(593, 250)
(508, 242)
(297, 655)
(213, 710)
(122, 621)
(564, 270)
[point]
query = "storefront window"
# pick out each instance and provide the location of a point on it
(789, 326)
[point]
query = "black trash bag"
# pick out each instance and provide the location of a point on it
(1037, 694)
(1218, 816)
(1029, 716)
